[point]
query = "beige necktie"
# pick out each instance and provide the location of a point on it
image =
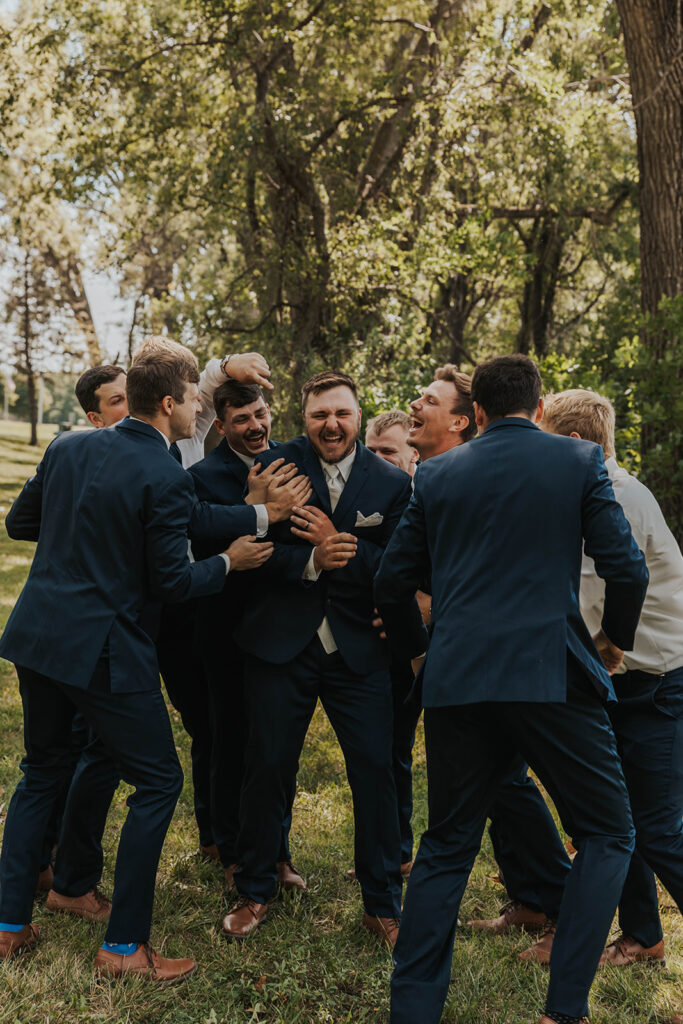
(335, 485)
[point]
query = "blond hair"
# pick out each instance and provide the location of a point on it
(157, 344)
(584, 412)
(386, 420)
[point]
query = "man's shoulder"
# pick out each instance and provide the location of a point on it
(216, 458)
(385, 471)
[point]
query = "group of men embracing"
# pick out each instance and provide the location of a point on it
(500, 586)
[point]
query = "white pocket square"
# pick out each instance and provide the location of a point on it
(374, 520)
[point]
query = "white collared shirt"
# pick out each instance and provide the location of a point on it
(310, 573)
(658, 646)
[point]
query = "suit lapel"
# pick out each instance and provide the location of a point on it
(234, 464)
(354, 484)
(314, 472)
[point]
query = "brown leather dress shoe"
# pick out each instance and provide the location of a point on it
(145, 963)
(209, 853)
(540, 952)
(512, 916)
(12, 943)
(385, 928)
(625, 951)
(289, 878)
(92, 906)
(243, 919)
(406, 869)
(351, 874)
(45, 879)
(229, 877)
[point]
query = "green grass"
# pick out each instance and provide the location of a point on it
(311, 963)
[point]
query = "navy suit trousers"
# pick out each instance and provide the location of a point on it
(471, 749)
(527, 846)
(136, 736)
(406, 716)
(280, 702)
(648, 723)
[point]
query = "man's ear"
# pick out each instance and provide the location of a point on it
(218, 424)
(415, 456)
(575, 433)
(480, 417)
(460, 423)
(95, 419)
(167, 404)
(539, 411)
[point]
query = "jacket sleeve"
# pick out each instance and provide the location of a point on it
(23, 519)
(618, 560)
(400, 573)
(171, 576)
(216, 526)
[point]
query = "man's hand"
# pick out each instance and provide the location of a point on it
(379, 624)
(283, 497)
(260, 480)
(424, 602)
(334, 552)
(416, 664)
(249, 368)
(312, 524)
(248, 553)
(611, 655)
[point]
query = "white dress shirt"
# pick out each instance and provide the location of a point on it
(336, 476)
(658, 644)
(192, 448)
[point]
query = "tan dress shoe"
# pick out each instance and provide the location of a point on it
(625, 951)
(406, 868)
(244, 918)
(351, 874)
(12, 943)
(512, 916)
(91, 906)
(229, 877)
(45, 879)
(540, 952)
(209, 853)
(385, 928)
(289, 878)
(144, 962)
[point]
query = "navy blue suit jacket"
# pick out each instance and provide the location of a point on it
(285, 611)
(221, 478)
(110, 511)
(502, 521)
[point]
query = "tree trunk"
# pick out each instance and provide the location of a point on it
(653, 38)
(28, 356)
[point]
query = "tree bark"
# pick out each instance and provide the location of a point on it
(27, 338)
(653, 38)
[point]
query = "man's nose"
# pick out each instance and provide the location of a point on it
(416, 404)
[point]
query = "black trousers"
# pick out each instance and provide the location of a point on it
(471, 750)
(280, 701)
(135, 735)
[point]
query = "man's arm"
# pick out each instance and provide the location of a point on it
(618, 560)
(170, 574)
(23, 519)
(402, 568)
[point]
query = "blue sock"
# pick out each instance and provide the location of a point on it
(11, 927)
(122, 948)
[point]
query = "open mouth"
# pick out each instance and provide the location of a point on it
(256, 439)
(332, 439)
(415, 424)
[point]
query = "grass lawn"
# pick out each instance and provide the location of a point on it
(311, 962)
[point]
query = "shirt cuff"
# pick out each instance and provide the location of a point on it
(226, 559)
(261, 520)
(310, 572)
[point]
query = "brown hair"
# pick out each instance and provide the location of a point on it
(89, 382)
(462, 382)
(386, 420)
(158, 371)
(589, 414)
(233, 393)
(325, 381)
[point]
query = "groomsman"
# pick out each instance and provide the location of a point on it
(307, 633)
(511, 670)
(244, 422)
(110, 513)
